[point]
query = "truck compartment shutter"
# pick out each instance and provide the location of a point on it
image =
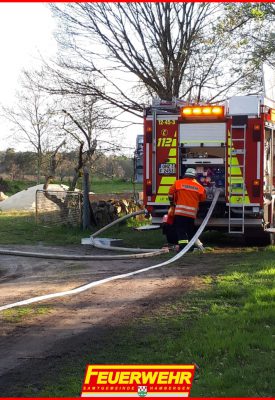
(203, 134)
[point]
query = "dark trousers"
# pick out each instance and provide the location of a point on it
(185, 228)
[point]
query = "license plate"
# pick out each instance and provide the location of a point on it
(167, 169)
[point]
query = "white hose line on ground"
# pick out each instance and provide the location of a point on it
(74, 257)
(121, 276)
(97, 242)
(99, 245)
(118, 221)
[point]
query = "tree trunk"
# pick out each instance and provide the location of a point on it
(86, 213)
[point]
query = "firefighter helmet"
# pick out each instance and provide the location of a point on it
(190, 172)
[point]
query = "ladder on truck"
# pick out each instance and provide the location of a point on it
(236, 223)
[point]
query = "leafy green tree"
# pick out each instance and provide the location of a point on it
(250, 25)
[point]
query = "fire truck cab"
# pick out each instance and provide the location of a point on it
(232, 148)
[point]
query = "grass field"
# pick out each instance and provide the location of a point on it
(16, 186)
(115, 186)
(226, 328)
(21, 228)
(96, 186)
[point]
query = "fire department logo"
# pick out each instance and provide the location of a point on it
(164, 132)
(142, 391)
(138, 381)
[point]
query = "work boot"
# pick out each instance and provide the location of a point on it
(197, 250)
(199, 245)
(182, 243)
(180, 248)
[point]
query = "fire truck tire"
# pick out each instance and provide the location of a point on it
(272, 235)
(258, 238)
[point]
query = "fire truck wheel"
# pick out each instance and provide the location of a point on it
(272, 235)
(258, 238)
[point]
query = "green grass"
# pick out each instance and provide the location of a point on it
(15, 315)
(97, 186)
(114, 186)
(133, 238)
(21, 228)
(16, 186)
(226, 327)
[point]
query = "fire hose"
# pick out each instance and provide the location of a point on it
(112, 278)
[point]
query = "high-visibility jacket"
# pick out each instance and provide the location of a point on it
(186, 193)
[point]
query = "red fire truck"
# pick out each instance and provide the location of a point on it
(232, 148)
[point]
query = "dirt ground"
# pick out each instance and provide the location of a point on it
(68, 320)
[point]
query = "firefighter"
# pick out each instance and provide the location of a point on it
(185, 194)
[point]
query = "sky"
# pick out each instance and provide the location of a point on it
(26, 30)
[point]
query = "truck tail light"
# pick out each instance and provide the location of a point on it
(148, 187)
(256, 188)
(149, 130)
(257, 132)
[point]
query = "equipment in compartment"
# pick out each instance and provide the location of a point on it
(211, 177)
(210, 167)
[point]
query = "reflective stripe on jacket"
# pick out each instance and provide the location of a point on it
(186, 194)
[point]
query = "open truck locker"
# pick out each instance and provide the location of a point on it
(232, 148)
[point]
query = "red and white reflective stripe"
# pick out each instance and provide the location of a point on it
(186, 211)
(186, 207)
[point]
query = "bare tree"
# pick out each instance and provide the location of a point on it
(129, 51)
(54, 161)
(82, 121)
(88, 126)
(32, 120)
